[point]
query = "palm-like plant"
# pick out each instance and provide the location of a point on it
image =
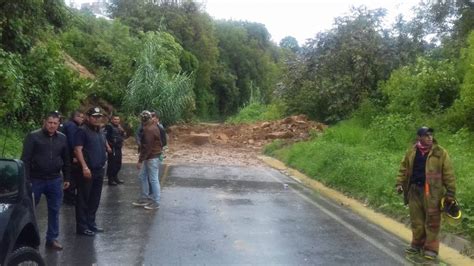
(153, 88)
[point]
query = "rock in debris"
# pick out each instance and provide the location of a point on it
(198, 139)
(279, 135)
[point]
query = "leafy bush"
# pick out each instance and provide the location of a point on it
(426, 87)
(391, 131)
(36, 83)
(105, 48)
(462, 113)
(12, 87)
(11, 141)
(366, 113)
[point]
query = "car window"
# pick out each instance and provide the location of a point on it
(9, 182)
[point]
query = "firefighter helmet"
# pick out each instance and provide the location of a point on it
(451, 211)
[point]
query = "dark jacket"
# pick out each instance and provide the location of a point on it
(46, 156)
(114, 136)
(163, 138)
(70, 129)
(92, 141)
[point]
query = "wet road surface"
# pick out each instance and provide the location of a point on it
(222, 215)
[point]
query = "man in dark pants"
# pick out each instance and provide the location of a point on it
(90, 151)
(426, 175)
(69, 129)
(45, 155)
(115, 136)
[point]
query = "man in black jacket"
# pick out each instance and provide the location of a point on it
(46, 155)
(115, 136)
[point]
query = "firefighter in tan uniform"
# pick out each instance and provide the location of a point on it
(425, 177)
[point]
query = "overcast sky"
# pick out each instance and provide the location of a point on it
(301, 19)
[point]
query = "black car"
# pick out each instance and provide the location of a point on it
(18, 229)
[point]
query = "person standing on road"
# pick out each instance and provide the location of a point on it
(149, 163)
(91, 153)
(163, 138)
(70, 128)
(426, 176)
(115, 136)
(45, 156)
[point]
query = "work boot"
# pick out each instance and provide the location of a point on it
(54, 244)
(85, 232)
(96, 229)
(140, 202)
(152, 206)
(412, 250)
(430, 255)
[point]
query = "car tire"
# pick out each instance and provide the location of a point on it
(25, 256)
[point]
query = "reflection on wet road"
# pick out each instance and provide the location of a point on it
(222, 215)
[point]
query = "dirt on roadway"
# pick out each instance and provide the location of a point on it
(225, 144)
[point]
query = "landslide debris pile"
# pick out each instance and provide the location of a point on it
(293, 128)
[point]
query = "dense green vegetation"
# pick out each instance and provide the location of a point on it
(381, 81)
(433, 86)
(363, 162)
(199, 68)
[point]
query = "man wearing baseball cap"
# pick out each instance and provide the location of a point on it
(90, 151)
(426, 176)
(149, 163)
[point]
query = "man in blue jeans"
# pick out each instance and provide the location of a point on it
(148, 163)
(46, 155)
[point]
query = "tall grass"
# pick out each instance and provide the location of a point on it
(362, 162)
(255, 112)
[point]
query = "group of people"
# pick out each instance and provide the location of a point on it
(70, 160)
(53, 161)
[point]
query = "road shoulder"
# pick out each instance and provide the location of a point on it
(447, 254)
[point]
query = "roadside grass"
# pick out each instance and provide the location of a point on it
(362, 162)
(256, 112)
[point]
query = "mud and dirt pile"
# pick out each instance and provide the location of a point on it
(293, 128)
(224, 144)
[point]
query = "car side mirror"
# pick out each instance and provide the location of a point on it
(11, 179)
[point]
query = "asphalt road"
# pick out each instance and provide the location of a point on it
(222, 215)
